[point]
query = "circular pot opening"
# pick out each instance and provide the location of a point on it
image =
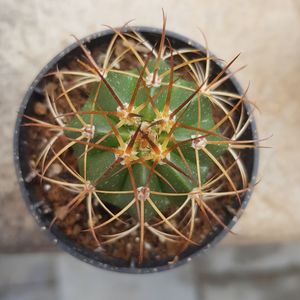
(36, 197)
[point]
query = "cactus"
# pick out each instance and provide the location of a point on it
(147, 140)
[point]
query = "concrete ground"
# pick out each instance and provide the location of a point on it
(227, 273)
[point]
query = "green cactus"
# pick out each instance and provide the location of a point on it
(150, 125)
(147, 140)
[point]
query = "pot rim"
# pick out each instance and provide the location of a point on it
(74, 251)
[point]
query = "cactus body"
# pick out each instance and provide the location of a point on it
(151, 124)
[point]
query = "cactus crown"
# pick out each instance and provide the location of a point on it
(147, 140)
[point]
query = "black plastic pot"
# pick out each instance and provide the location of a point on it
(39, 208)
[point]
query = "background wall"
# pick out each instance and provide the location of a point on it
(267, 33)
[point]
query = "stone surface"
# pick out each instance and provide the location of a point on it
(177, 284)
(266, 32)
(28, 277)
(227, 273)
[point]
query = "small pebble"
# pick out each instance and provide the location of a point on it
(50, 88)
(47, 187)
(231, 210)
(30, 176)
(99, 249)
(40, 108)
(173, 261)
(100, 59)
(148, 246)
(76, 229)
(94, 220)
(161, 239)
(47, 209)
(116, 65)
(128, 247)
(55, 169)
